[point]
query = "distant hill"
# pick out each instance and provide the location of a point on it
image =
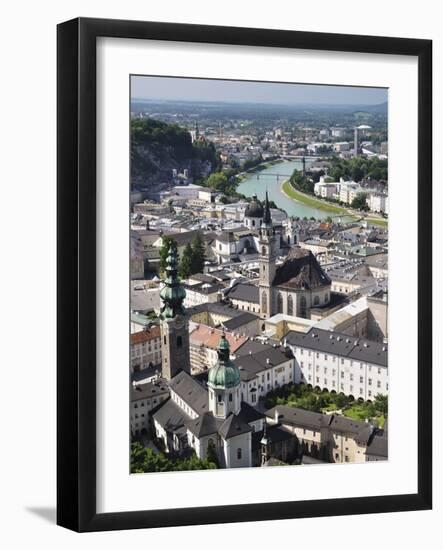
(157, 148)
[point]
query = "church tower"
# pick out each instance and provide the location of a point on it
(174, 324)
(265, 447)
(224, 383)
(267, 259)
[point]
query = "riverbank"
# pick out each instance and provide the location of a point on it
(319, 204)
(298, 196)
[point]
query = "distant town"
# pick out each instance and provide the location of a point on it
(259, 285)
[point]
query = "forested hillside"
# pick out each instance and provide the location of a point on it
(157, 148)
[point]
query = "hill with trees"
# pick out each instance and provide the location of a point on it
(157, 148)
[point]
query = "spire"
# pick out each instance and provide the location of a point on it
(223, 348)
(172, 294)
(267, 212)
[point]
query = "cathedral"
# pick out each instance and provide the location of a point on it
(293, 287)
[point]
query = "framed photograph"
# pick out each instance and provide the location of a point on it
(244, 274)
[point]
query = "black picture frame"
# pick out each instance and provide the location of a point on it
(76, 265)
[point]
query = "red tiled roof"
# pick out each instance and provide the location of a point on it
(210, 337)
(145, 335)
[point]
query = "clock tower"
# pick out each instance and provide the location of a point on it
(174, 323)
(267, 259)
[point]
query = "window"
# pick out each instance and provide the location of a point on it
(303, 307)
(346, 458)
(179, 341)
(290, 305)
(264, 300)
(230, 397)
(378, 384)
(316, 300)
(326, 357)
(219, 398)
(279, 303)
(239, 453)
(361, 379)
(342, 374)
(370, 381)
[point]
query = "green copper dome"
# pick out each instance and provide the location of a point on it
(224, 374)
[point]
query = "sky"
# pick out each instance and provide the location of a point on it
(192, 89)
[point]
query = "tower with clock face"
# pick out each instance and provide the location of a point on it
(267, 259)
(174, 323)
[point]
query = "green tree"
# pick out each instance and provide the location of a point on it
(198, 254)
(381, 404)
(145, 460)
(217, 181)
(211, 454)
(359, 202)
(167, 243)
(186, 262)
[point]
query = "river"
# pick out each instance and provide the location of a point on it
(267, 180)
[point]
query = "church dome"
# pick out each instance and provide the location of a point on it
(224, 374)
(254, 208)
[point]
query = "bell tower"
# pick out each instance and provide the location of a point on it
(267, 259)
(224, 383)
(174, 324)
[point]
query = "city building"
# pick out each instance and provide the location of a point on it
(338, 362)
(145, 348)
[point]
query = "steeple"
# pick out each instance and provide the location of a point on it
(265, 443)
(224, 383)
(267, 220)
(172, 294)
(174, 325)
(267, 261)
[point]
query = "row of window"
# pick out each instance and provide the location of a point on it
(342, 386)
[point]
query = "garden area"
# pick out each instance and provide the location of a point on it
(304, 397)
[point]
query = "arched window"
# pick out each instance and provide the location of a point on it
(289, 239)
(279, 303)
(179, 341)
(290, 305)
(316, 300)
(303, 307)
(326, 298)
(239, 454)
(263, 250)
(253, 223)
(264, 302)
(164, 339)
